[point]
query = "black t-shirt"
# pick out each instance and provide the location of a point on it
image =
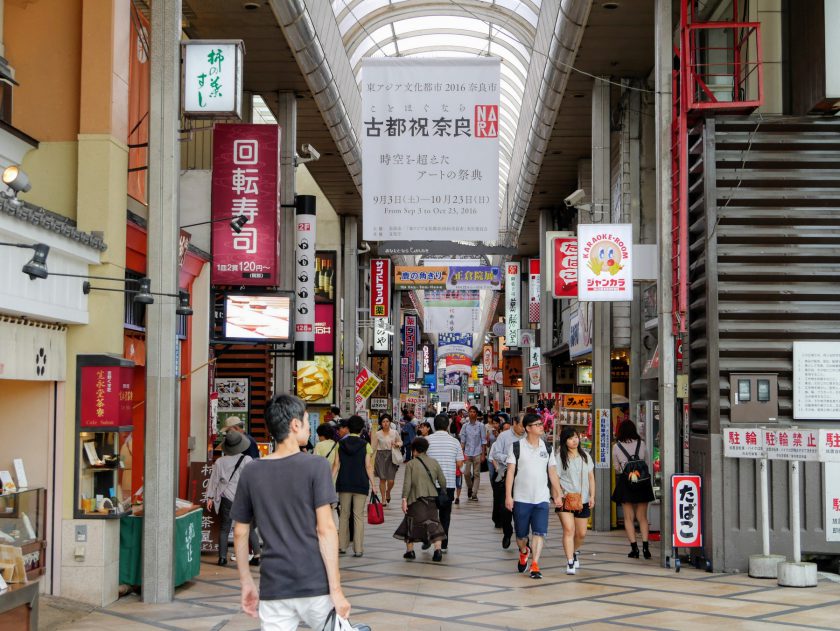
(281, 496)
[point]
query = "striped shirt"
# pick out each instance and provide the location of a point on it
(447, 451)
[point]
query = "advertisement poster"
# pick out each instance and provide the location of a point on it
(410, 350)
(605, 265)
(314, 381)
(233, 399)
(366, 384)
(245, 183)
(325, 276)
(603, 432)
(512, 320)
(199, 480)
(455, 344)
(430, 143)
(324, 328)
(474, 277)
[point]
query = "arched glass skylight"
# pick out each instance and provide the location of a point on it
(449, 28)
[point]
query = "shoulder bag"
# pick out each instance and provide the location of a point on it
(574, 501)
(442, 500)
(397, 455)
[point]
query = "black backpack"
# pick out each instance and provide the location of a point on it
(635, 469)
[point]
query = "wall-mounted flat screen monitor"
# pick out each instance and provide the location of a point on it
(257, 317)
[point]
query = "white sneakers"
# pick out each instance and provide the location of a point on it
(570, 567)
(577, 562)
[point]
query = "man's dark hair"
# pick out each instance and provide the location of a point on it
(474, 408)
(326, 431)
(279, 412)
(335, 410)
(441, 422)
(420, 445)
(531, 419)
(355, 424)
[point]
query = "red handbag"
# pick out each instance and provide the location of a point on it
(376, 514)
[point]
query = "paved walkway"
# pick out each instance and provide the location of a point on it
(477, 587)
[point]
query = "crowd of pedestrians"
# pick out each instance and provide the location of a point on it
(298, 526)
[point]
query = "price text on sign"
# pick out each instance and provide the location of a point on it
(685, 496)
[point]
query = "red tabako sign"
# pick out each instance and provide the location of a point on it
(106, 397)
(324, 328)
(380, 288)
(245, 183)
(564, 269)
(687, 523)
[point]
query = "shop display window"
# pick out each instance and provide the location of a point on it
(23, 525)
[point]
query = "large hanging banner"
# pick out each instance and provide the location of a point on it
(605, 266)
(512, 320)
(430, 146)
(533, 290)
(455, 344)
(451, 311)
(245, 182)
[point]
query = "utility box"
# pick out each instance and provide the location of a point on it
(754, 397)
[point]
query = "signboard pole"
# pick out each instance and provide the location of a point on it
(796, 573)
(765, 565)
(305, 278)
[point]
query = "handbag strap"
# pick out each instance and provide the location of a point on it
(434, 483)
(329, 623)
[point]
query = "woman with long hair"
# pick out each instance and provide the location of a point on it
(424, 429)
(632, 491)
(383, 442)
(576, 471)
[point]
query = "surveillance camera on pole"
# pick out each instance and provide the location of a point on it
(311, 154)
(573, 200)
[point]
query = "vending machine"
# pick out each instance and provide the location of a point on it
(648, 423)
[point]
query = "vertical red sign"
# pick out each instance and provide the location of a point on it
(564, 268)
(324, 333)
(687, 531)
(410, 350)
(105, 397)
(245, 184)
(380, 288)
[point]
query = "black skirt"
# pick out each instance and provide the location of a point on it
(421, 523)
(632, 492)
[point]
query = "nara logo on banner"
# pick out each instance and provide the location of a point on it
(605, 264)
(245, 184)
(380, 288)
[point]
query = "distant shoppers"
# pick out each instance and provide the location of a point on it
(423, 477)
(502, 517)
(633, 486)
(221, 491)
(530, 469)
(299, 577)
(474, 441)
(383, 442)
(424, 429)
(576, 470)
(327, 444)
(446, 450)
(408, 432)
(353, 472)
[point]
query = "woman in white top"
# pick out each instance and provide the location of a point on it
(575, 469)
(384, 440)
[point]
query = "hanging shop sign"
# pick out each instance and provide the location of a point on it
(379, 403)
(419, 277)
(605, 264)
(324, 328)
(584, 375)
(527, 337)
(380, 288)
(245, 183)
(211, 78)
(816, 380)
(487, 358)
(382, 334)
(428, 358)
(458, 363)
(534, 361)
(410, 350)
(687, 529)
(512, 319)
(366, 383)
(430, 143)
(455, 344)
(512, 371)
(533, 290)
(305, 276)
(564, 281)
(474, 277)
(105, 396)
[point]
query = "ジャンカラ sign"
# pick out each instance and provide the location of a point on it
(430, 145)
(605, 265)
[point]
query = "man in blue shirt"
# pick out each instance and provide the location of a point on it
(474, 441)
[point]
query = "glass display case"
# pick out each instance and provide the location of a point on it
(23, 525)
(104, 401)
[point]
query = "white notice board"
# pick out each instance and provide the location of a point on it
(816, 380)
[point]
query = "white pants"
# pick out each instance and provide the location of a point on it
(287, 614)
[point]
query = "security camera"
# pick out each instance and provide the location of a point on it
(312, 153)
(575, 198)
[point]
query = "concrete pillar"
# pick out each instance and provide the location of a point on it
(350, 274)
(287, 119)
(547, 304)
(667, 401)
(633, 120)
(602, 313)
(162, 405)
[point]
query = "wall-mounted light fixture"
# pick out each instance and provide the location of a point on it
(236, 223)
(36, 267)
(143, 294)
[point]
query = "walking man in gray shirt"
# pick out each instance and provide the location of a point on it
(474, 441)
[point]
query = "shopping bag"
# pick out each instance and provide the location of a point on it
(376, 514)
(335, 622)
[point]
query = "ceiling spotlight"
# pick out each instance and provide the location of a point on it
(184, 308)
(237, 223)
(144, 293)
(37, 266)
(16, 179)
